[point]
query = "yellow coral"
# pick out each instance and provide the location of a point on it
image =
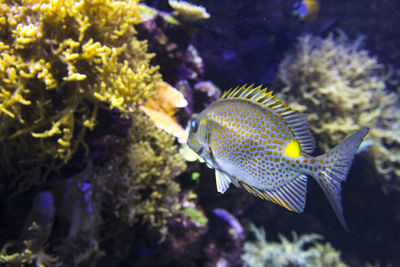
(39, 258)
(61, 61)
(123, 82)
(142, 178)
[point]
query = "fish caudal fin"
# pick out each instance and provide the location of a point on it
(336, 165)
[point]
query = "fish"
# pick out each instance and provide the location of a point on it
(306, 10)
(253, 140)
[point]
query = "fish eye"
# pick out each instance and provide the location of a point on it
(194, 124)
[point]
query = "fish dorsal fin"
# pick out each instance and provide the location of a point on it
(291, 195)
(297, 122)
(223, 181)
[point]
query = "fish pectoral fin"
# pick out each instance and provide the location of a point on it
(291, 196)
(223, 181)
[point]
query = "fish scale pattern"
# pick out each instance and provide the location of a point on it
(254, 138)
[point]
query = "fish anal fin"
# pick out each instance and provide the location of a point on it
(252, 190)
(291, 196)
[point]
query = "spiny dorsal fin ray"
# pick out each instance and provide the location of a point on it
(291, 196)
(297, 122)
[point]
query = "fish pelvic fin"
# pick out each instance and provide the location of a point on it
(336, 165)
(222, 180)
(291, 196)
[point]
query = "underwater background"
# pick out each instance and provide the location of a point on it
(95, 97)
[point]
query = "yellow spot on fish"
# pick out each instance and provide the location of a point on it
(292, 149)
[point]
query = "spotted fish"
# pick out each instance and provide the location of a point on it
(254, 141)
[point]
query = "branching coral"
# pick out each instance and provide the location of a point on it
(262, 253)
(342, 89)
(60, 62)
(141, 179)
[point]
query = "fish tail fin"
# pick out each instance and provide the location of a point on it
(335, 166)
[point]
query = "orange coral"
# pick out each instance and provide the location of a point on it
(161, 109)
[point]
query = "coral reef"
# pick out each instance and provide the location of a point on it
(170, 40)
(29, 248)
(78, 206)
(342, 89)
(180, 62)
(195, 216)
(188, 12)
(133, 185)
(261, 253)
(75, 205)
(72, 77)
(60, 63)
(186, 233)
(140, 176)
(236, 229)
